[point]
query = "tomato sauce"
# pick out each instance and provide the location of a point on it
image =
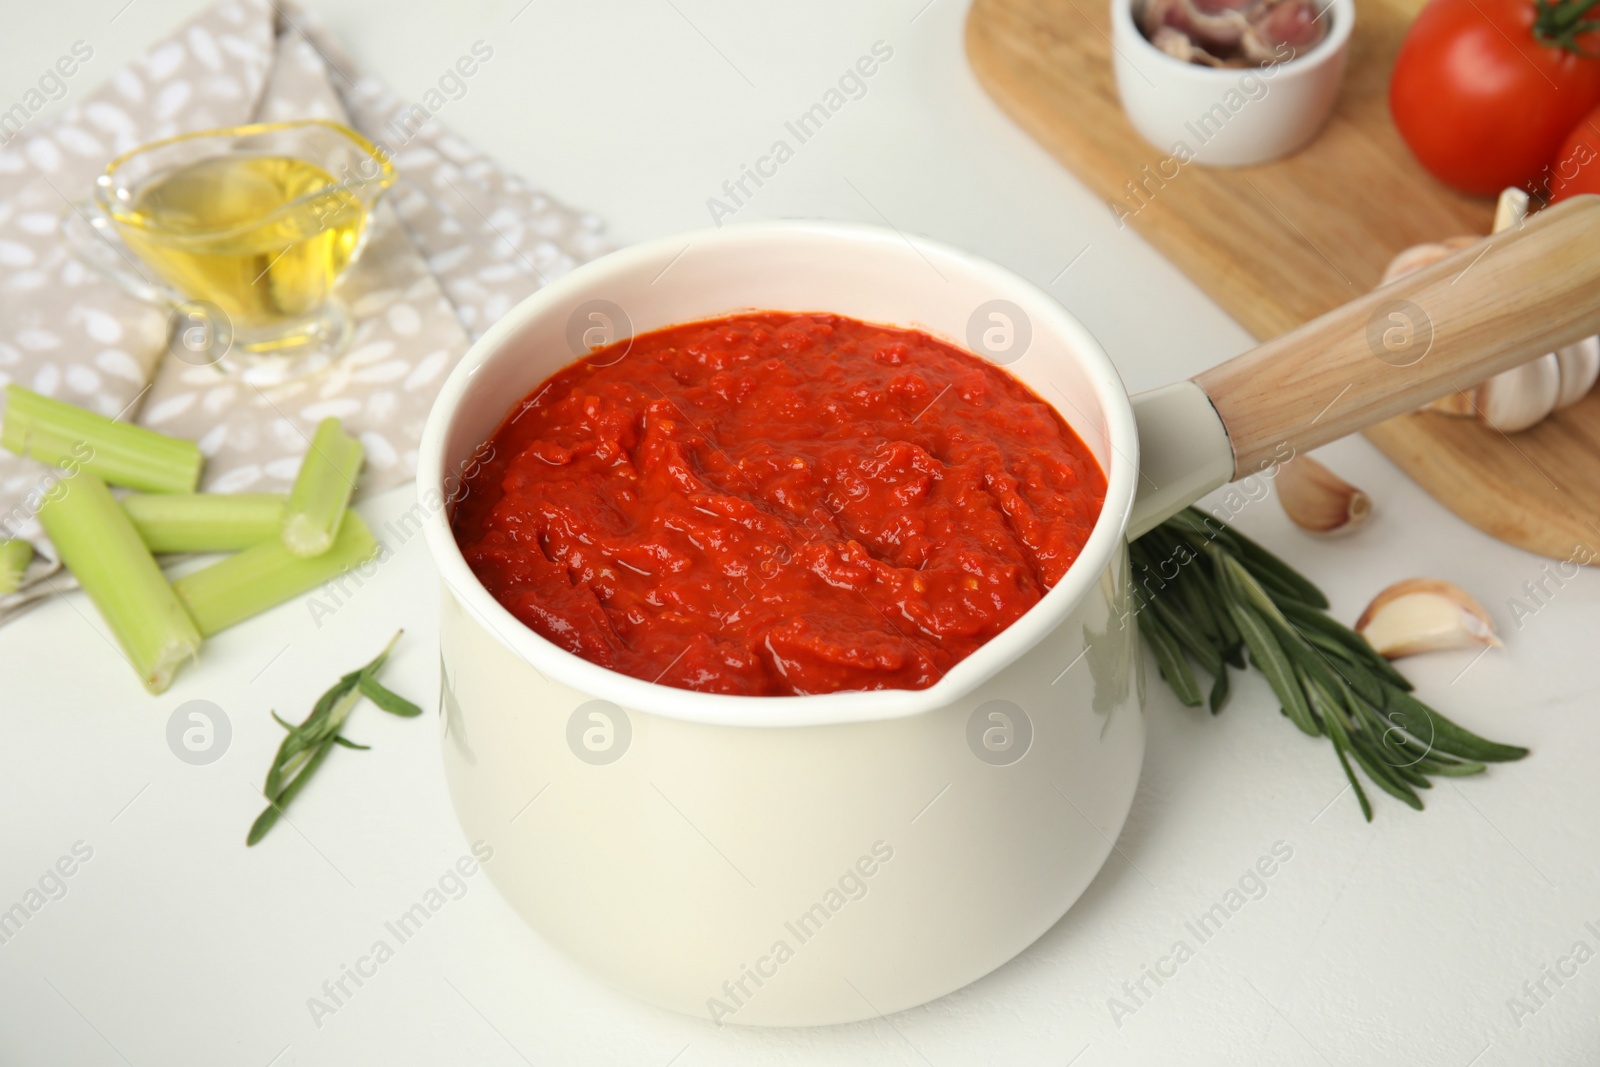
(778, 504)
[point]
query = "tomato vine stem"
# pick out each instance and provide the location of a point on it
(1561, 22)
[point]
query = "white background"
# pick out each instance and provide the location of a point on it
(1396, 942)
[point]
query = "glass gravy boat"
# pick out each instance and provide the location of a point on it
(244, 234)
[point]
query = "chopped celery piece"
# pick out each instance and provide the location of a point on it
(14, 559)
(74, 438)
(97, 542)
(266, 575)
(321, 490)
(205, 522)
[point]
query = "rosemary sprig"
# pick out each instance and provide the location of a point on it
(1213, 594)
(307, 745)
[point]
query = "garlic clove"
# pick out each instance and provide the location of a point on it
(1211, 32)
(1176, 44)
(1418, 256)
(1511, 209)
(1580, 367)
(1424, 615)
(1280, 24)
(1414, 258)
(1516, 399)
(1464, 404)
(1318, 500)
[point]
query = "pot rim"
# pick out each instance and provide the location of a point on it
(636, 694)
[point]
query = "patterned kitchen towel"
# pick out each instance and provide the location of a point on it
(453, 246)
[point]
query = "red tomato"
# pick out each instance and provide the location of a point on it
(1481, 95)
(1576, 166)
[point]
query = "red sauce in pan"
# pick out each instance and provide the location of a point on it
(778, 504)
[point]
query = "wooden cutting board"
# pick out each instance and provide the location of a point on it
(1278, 244)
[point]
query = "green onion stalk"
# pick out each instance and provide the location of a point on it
(98, 543)
(322, 490)
(265, 575)
(74, 438)
(15, 556)
(205, 522)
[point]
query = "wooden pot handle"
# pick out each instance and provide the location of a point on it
(1508, 299)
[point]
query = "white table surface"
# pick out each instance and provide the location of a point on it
(1397, 942)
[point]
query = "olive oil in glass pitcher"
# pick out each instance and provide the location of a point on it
(245, 233)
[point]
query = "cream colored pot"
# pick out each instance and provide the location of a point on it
(820, 859)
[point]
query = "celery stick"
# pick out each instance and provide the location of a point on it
(98, 543)
(14, 559)
(205, 522)
(75, 438)
(321, 490)
(266, 575)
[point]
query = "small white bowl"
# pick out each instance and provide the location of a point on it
(1227, 117)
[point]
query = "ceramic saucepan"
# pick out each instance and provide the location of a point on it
(818, 859)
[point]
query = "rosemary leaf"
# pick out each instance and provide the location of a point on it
(1268, 658)
(1355, 671)
(1310, 659)
(1195, 602)
(302, 744)
(389, 701)
(1219, 693)
(1381, 774)
(275, 805)
(1174, 669)
(1247, 584)
(1452, 769)
(1399, 749)
(1341, 748)
(1232, 639)
(1189, 637)
(1274, 571)
(1192, 522)
(1434, 729)
(1310, 620)
(1360, 745)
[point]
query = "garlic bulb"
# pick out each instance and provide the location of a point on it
(1424, 615)
(1580, 367)
(1318, 500)
(1518, 398)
